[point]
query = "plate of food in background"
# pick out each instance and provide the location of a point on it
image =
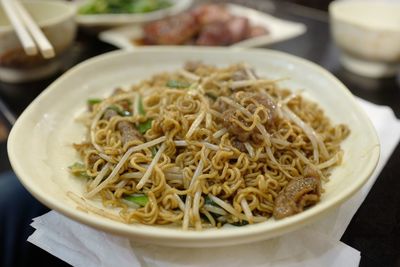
(207, 25)
(105, 13)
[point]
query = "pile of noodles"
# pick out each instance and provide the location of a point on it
(190, 168)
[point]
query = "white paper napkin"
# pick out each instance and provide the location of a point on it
(314, 245)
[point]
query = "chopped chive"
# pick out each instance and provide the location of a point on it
(139, 199)
(177, 84)
(92, 101)
(79, 170)
(141, 108)
(143, 127)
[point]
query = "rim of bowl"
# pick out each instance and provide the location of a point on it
(68, 10)
(336, 15)
(159, 233)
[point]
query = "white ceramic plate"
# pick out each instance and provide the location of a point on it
(280, 30)
(112, 20)
(40, 150)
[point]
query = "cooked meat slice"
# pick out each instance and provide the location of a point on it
(215, 34)
(239, 145)
(92, 159)
(171, 31)
(239, 28)
(297, 195)
(267, 102)
(256, 31)
(232, 117)
(126, 128)
(209, 13)
(230, 123)
(109, 113)
(128, 132)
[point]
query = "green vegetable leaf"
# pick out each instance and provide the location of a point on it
(139, 199)
(79, 170)
(177, 84)
(92, 101)
(143, 127)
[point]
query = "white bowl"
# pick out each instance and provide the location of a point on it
(56, 19)
(279, 30)
(112, 20)
(368, 33)
(40, 150)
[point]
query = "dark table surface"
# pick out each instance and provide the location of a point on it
(375, 229)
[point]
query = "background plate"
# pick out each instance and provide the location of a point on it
(279, 30)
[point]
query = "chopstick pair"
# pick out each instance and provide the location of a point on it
(28, 32)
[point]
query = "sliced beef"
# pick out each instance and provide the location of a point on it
(215, 34)
(238, 28)
(267, 102)
(239, 145)
(210, 13)
(231, 116)
(92, 159)
(297, 195)
(128, 132)
(126, 128)
(109, 113)
(171, 31)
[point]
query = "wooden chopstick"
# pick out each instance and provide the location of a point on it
(45, 47)
(19, 27)
(27, 30)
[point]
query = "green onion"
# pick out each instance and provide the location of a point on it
(141, 108)
(93, 101)
(177, 84)
(139, 199)
(143, 127)
(79, 170)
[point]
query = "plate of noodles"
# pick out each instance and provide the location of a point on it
(194, 146)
